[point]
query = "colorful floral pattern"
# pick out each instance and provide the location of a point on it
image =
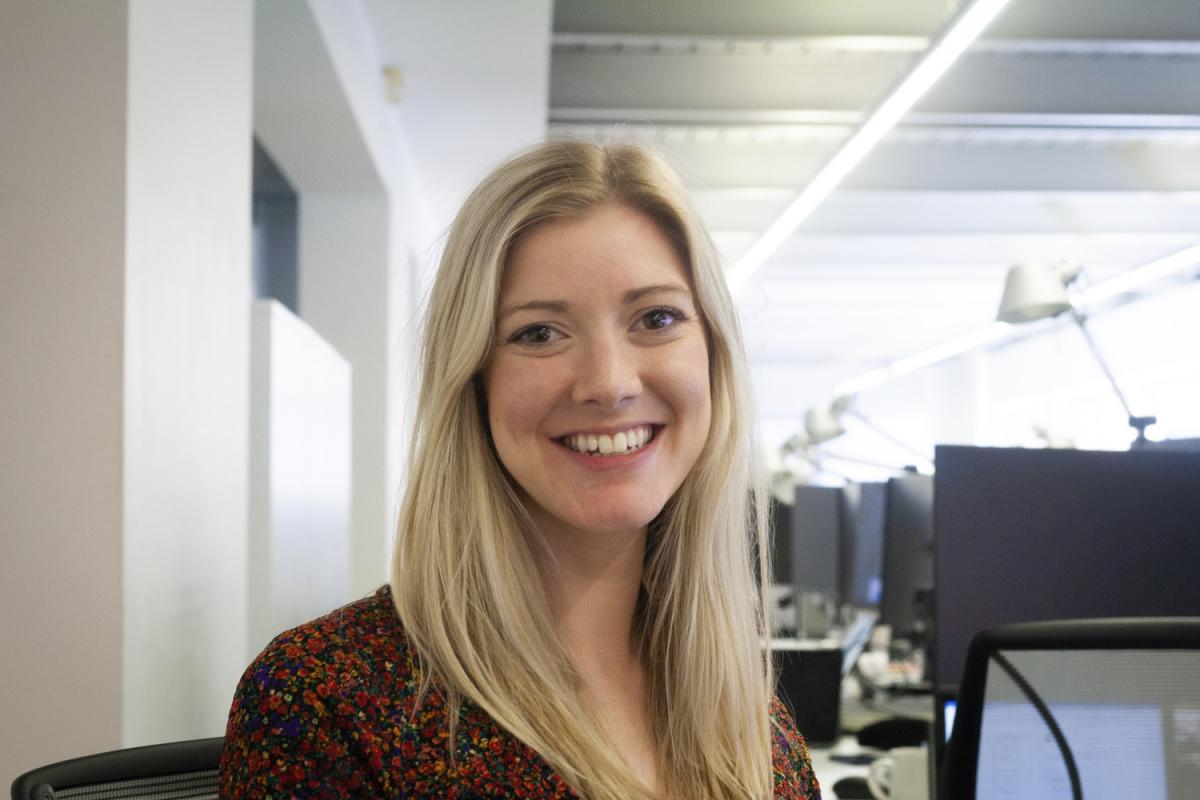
(326, 711)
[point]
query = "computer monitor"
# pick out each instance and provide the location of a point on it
(816, 525)
(1024, 535)
(1016, 734)
(781, 547)
(1192, 445)
(907, 554)
(862, 561)
(948, 711)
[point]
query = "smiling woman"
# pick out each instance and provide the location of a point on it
(575, 606)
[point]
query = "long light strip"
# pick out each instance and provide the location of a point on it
(1131, 279)
(964, 29)
(946, 350)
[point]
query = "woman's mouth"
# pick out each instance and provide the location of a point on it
(616, 444)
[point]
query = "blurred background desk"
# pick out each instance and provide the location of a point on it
(830, 761)
(829, 771)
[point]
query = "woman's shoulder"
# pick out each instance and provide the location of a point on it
(322, 694)
(361, 641)
(792, 765)
(368, 629)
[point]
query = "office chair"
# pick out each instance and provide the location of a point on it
(1095, 709)
(178, 770)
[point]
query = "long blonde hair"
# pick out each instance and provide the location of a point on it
(463, 563)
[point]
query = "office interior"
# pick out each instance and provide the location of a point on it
(218, 219)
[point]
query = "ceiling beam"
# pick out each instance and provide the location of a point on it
(777, 47)
(1018, 82)
(920, 214)
(1097, 19)
(961, 162)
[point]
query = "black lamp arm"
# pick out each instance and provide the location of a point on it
(1139, 424)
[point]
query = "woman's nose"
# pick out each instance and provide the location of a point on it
(607, 374)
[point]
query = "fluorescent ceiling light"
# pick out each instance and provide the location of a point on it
(964, 29)
(1127, 281)
(1138, 276)
(956, 346)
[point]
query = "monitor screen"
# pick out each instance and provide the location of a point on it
(863, 587)
(816, 539)
(907, 553)
(1024, 535)
(949, 709)
(781, 546)
(1014, 733)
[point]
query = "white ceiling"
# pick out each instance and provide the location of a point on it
(1072, 130)
(473, 87)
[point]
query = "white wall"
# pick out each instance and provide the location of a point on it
(300, 474)
(187, 292)
(321, 111)
(62, 177)
(343, 293)
(476, 88)
(125, 140)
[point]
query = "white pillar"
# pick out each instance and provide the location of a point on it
(300, 474)
(187, 321)
(62, 249)
(124, 244)
(344, 292)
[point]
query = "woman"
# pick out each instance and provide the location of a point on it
(573, 608)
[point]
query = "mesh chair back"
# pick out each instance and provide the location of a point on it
(175, 771)
(1095, 709)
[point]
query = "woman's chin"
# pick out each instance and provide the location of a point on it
(610, 522)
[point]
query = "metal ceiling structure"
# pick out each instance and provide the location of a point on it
(1071, 130)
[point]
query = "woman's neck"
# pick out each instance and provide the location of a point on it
(594, 581)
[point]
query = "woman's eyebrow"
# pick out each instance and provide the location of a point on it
(556, 306)
(561, 306)
(633, 295)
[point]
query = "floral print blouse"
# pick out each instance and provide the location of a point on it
(326, 711)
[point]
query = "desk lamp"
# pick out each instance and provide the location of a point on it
(827, 422)
(821, 424)
(1038, 291)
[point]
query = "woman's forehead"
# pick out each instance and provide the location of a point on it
(612, 248)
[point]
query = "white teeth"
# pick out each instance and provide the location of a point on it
(605, 444)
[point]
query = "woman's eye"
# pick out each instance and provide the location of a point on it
(534, 334)
(658, 318)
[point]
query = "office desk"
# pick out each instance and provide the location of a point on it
(855, 715)
(828, 771)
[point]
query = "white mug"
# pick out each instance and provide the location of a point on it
(903, 774)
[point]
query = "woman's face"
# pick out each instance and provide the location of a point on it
(597, 389)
